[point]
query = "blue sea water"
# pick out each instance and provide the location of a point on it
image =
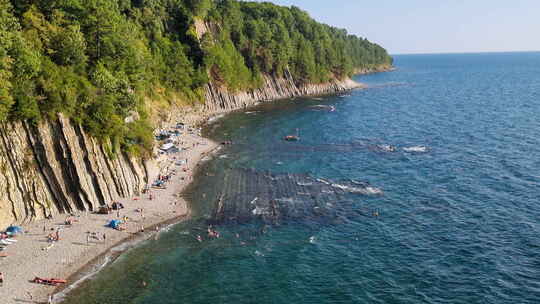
(457, 223)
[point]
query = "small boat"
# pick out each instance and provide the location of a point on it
(49, 281)
(293, 137)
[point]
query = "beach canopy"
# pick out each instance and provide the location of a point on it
(14, 229)
(166, 147)
(114, 223)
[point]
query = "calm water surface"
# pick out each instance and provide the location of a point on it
(458, 223)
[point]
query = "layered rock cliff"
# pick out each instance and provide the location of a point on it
(55, 167)
(219, 99)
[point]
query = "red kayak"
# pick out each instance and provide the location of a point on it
(50, 281)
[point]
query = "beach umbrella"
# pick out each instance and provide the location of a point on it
(114, 223)
(14, 229)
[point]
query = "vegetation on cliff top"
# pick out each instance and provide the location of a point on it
(98, 60)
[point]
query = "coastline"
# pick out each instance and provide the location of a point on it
(78, 260)
(73, 257)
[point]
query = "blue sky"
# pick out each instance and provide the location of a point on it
(434, 26)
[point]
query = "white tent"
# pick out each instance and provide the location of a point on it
(166, 147)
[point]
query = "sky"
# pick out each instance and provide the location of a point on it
(433, 26)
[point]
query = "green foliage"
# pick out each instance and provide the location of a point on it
(97, 60)
(277, 40)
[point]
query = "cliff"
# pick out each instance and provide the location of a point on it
(220, 100)
(55, 167)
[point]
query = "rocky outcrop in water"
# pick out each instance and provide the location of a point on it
(55, 167)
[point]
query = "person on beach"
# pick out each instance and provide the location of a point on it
(1, 279)
(50, 300)
(30, 295)
(104, 237)
(87, 238)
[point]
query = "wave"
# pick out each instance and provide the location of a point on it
(215, 118)
(324, 107)
(323, 181)
(416, 149)
(369, 190)
(386, 148)
(259, 211)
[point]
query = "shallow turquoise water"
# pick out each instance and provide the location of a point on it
(459, 223)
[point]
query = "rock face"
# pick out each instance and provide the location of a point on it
(55, 167)
(219, 100)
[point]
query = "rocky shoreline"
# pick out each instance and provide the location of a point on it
(74, 258)
(33, 255)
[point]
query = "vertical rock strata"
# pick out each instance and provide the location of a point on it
(219, 99)
(55, 167)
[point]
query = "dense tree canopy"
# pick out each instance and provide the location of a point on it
(97, 60)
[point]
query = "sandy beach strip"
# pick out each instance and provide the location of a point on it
(32, 255)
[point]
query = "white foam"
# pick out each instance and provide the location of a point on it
(417, 149)
(59, 297)
(366, 190)
(323, 181)
(386, 148)
(215, 118)
(259, 211)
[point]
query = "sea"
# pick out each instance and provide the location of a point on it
(424, 187)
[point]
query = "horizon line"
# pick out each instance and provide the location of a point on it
(459, 52)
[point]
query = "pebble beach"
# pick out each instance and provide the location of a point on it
(83, 243)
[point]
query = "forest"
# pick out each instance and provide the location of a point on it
(99, 61)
